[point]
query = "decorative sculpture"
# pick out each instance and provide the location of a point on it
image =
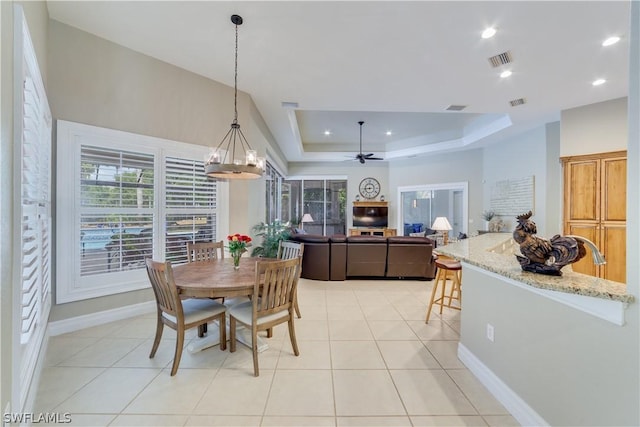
(541, 255)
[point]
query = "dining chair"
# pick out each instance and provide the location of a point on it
(288, 250)
(204, 251)
(272, 303)
(179, 314)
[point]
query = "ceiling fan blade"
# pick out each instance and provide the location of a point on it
(368, 155)
(375, 158)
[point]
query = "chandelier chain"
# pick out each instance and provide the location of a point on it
(235, 82)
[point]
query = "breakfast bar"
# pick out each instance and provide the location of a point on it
(555, 350)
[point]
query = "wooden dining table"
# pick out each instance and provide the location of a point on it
(218, 279)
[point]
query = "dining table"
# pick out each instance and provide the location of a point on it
(218, 279)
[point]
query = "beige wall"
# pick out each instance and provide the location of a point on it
(570, 367)
(594, 128)
(460, 166)
(97, 82)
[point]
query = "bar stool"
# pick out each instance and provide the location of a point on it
(452, 270)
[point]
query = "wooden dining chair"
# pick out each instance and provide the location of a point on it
(272, 303)
(289, 250)
(204, 251)
(179, 314)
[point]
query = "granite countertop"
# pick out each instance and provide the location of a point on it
(495, 252)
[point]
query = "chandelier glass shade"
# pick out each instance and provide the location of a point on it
(233, 157)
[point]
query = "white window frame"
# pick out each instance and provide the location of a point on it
(70, 286)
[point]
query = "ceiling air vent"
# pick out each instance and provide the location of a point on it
(516, 102)
(501, 59)
(454, 107)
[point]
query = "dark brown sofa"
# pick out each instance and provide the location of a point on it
(339, 257)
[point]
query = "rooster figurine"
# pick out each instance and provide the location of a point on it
(542, 255)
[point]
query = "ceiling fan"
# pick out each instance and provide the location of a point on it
(363, 157)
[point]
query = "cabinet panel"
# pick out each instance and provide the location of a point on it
(614, 247)
(583, 199)
(614, 191)
(589, 231)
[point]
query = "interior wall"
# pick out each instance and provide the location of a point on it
(519, 157)
(571, 368)
(442, 168)
(96, 82)
(594, 128)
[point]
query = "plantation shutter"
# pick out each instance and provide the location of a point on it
(35, 202)
(116, 209)
(190, 203)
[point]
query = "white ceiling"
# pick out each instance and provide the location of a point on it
(395, 65)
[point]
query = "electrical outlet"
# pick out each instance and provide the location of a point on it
(490, 332)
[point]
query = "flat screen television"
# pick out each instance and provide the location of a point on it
(375, 216)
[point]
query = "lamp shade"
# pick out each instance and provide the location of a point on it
(441, 224)
(307, 218)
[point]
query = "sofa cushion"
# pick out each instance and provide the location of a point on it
(309, 238)
(408, 240)
(367, 239)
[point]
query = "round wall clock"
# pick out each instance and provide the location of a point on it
(369, 188)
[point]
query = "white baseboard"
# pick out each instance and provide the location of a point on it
(518, 408)
(73, 324)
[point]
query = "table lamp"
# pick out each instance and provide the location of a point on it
(442, 224)
(306, 218)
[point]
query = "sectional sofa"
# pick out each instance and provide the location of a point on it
(339, 257)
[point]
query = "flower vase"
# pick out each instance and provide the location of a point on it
(236, 260)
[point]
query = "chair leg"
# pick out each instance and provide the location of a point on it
(232, 334)
(254, 349)
(270, 333)
(292, 336)
(296, 306)
(178, 352)
(223, 332)
(156, 342)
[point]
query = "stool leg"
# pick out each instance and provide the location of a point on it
(444, 287)
(433, 294)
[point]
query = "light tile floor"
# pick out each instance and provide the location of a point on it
(366, 359)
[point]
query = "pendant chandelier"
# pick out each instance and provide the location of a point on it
(222, 162)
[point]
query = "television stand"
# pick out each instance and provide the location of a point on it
(386, 232)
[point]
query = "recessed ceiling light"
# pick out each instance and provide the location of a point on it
(505, 74)
(389, 133)
(611, 40)
(599, 82)
(327, 132)
(488, 33)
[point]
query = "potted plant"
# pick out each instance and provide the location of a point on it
(488, 216)
(271, 234)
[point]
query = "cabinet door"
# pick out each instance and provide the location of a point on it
(589, 231)
(613, 243)
(614, 189)
(582, 190)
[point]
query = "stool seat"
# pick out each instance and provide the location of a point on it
(448, 269)
(448, 264)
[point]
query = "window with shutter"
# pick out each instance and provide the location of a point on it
(126, 204)
(34, 147)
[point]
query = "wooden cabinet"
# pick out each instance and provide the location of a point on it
(595, 195)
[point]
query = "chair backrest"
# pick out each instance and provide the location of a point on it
(275, 285)
(288, 250)
(161, 278)
(204, 251)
